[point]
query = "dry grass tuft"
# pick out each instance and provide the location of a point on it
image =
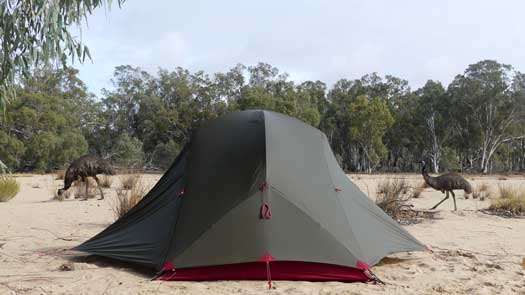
(79, 188)
(416, 192)
(9, 187)
(128, 198)
(392, 197)
(510, 199)
(481, 192)
(129, 181)
(60, 175)
(106, 181)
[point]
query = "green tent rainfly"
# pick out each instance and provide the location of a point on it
(255, 195)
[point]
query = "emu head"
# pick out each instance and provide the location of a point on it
(105, 167)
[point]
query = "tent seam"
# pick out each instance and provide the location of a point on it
(322, 225)
(337, 195)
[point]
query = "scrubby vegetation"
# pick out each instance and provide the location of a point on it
(106, 181)
(511, 200)
(481, 192)
(392, 196)
(129, 181)
(128, 198)
(416, 191)
(9, 187)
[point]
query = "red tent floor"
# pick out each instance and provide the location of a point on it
(264, 270)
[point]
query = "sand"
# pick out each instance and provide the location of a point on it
(474, 253)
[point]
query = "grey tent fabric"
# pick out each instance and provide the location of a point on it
(232, 167)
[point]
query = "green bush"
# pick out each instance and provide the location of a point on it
(9, 187)
(128, 152)
(165, 153)
(12, 150)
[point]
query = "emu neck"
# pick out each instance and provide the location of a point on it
(428, 179)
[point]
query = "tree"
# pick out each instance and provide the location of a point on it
(12, 150)
(488, 94)
(430, 115)
(33, 31)
(43, 130)
(127, 152)
(165, 153)
(369, 121)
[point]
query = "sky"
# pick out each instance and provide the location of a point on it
(416, 40)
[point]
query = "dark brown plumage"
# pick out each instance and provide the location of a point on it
(446, 183)
(84, 167)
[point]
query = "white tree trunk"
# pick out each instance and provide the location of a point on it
(435, 149)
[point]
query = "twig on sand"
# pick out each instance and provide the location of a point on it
(13, 289)
(478, 253)
(56, 236)
(31, 277)
(502, 213)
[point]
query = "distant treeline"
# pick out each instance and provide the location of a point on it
(374, 123)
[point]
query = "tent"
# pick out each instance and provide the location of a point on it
(255, 195)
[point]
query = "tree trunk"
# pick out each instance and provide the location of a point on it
(435, 149)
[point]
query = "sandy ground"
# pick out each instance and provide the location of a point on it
(474, 253)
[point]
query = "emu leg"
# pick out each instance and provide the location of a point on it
(99, 188)
(454, 197)
(435, 206)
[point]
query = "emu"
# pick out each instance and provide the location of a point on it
(84, 167)
(446, 183)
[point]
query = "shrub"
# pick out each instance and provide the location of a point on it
(165, 153)
(106, 181)
(9, 187)
(510, 199)
(128, 152)
(481, 192)
(416, 192)
(508, 192)
(127, 199)
(392, 197)
(129, 181)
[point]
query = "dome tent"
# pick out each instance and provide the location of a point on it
(255, 194)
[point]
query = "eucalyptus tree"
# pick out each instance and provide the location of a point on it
(34, 31)
(491, 98)
(431, 115)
